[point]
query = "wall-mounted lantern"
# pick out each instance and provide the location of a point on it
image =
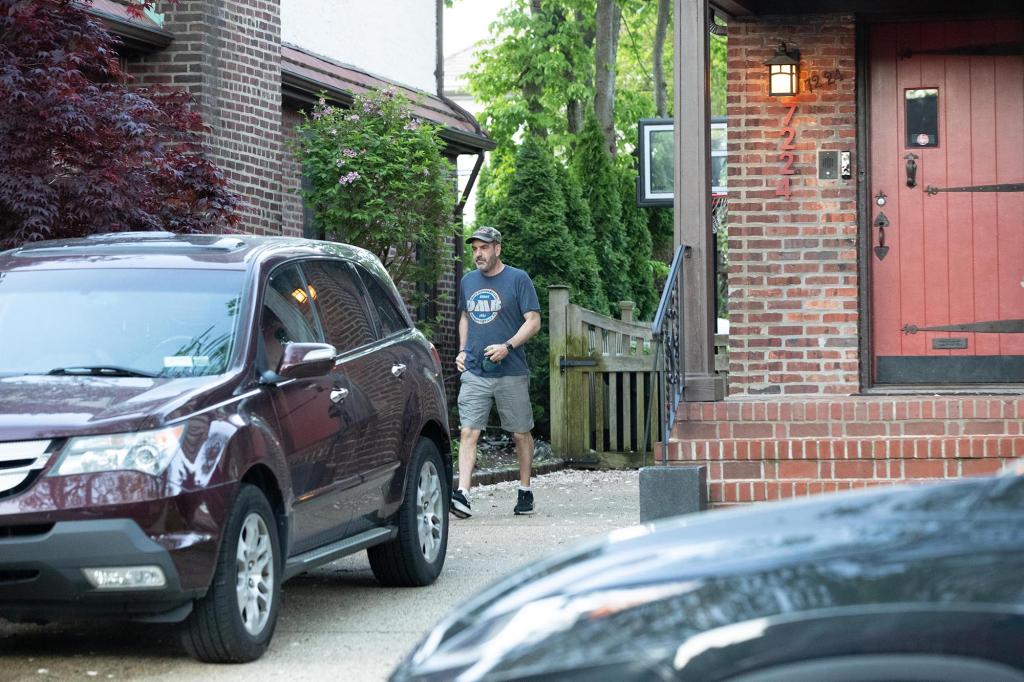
(783, 72)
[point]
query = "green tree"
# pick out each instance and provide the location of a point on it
(536, 70)
(595, 174)
(378, 179)
(586, 274)
(639, 269)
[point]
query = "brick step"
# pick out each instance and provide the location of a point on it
(781, 430)
(840, 448)
(856, 409)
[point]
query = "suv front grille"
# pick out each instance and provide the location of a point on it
(20, 462)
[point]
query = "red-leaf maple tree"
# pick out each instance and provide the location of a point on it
(81, 151)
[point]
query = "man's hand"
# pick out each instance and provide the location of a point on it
(460, 361)
(496, 352)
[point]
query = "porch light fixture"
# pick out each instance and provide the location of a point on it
(783, 72)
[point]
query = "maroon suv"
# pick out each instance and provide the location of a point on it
(186, 422)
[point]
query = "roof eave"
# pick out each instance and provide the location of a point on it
(300, 90)
(134, 37)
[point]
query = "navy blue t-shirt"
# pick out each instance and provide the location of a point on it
(496, 308)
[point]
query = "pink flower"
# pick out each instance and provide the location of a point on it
(348, 178)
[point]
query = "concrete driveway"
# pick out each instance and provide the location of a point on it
(336, 623)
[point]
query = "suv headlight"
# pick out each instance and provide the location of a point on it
(146, 451)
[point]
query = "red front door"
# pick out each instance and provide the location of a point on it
(947, 208)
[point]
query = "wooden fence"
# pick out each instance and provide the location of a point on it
(604, 406)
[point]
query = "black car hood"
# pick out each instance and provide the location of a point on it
(33, 407)
(648, 588)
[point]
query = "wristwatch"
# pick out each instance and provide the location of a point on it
(509, 346)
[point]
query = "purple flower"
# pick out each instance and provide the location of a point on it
(352, 117)
(414, 124)
(350, 153)
(348, 178)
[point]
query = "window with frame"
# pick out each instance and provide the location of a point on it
(287, 313)
(339, 300)
(383, 302)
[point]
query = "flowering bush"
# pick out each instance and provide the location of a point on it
(377, 179)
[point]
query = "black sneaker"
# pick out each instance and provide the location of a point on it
(460, 505)
(525, 503)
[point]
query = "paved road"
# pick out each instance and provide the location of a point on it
(336, 623)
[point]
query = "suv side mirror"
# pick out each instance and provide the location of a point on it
(304, 360)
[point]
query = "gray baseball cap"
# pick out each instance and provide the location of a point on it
(486, 234)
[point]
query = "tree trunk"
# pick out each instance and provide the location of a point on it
(660, 87)
(531, 88)
(609, 16)
(577, 111)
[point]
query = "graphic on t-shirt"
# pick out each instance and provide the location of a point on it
(483, 306)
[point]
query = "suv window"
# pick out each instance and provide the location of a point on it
(382, 300)
(287, 314)
(165, 322)
(340, 303)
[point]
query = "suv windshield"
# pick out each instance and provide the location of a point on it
(118, 322)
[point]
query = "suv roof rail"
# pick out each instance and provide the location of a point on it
(116, 236)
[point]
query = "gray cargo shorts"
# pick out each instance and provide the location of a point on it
(511, 395)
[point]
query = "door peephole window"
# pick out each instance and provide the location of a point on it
(922, 107)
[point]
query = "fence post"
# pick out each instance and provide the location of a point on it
(625, 342)
(626, 309)
(558, 302)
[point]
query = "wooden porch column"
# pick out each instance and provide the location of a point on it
(692, 206)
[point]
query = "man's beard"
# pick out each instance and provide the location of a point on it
(485, 264)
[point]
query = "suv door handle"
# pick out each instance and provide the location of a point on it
(398, 369)
(338, 394)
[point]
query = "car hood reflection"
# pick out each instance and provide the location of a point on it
(50, 407)
(636, 595)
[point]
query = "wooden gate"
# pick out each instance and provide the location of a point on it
(604, 407)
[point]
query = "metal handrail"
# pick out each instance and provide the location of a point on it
(667, 330)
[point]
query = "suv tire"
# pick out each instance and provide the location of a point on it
(416, 556)
(234, 621)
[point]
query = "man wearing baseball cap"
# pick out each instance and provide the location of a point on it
(499, 312)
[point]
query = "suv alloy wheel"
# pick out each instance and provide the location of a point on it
(416, 556)
(234, 622)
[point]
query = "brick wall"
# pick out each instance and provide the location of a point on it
(446, 335)
(228, 54)
(767, 449)
(793, 260)
(292, 214)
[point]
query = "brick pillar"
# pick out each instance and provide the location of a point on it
(793, 302)
(228, 54)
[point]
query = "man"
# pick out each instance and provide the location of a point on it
(499, 312)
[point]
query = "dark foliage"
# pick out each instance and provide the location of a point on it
(586, 275)
(638, 238)
(81, 151)
(595, 173)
